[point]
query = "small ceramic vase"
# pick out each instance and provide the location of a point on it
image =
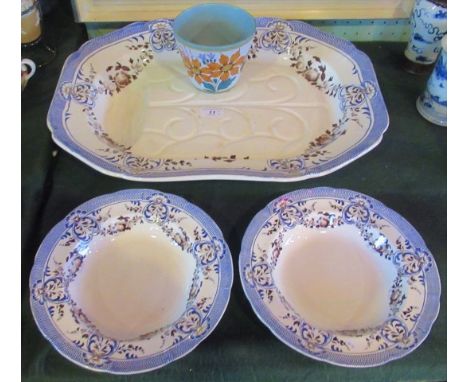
(213, 41)
(429, 26)
(432, 104)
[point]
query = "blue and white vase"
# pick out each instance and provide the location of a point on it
(429, 26)
(432, 104)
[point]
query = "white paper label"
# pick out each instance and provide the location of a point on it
(211, 112)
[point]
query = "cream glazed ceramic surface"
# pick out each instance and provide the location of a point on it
(339, 277)
(131, 281)
(306, 104)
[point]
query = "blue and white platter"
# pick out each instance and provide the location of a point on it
(339, 277)
(131, 281)
(307, 104)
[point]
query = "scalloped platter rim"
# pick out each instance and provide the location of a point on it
(124, 106)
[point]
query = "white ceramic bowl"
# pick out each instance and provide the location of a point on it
(339, 277)
(130, 281)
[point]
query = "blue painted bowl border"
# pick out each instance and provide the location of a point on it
(429, 312)
(132, 366)
(60, 135)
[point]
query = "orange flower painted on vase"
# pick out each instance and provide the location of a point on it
(195, 70)
(226, 67)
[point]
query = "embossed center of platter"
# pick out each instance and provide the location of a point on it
(133, 283)
(333, 280)
(273, 114)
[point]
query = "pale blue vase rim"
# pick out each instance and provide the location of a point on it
(247, 19)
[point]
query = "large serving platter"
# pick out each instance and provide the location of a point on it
(307, 104)
(131, 281)
(339, 277)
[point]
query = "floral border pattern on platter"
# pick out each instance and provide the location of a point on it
(64, 250)
(358, 103)
(413, 299)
